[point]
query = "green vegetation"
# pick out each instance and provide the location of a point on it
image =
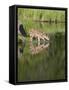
(29, 17)
(39, 14)
(49, 64)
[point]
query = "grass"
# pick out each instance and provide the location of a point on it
(40, 14)
(48, 64)
(28, 16)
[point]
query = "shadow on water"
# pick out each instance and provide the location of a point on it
(21, 46)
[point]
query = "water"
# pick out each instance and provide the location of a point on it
(48, 61)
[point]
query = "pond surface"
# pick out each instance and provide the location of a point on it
(48, 61)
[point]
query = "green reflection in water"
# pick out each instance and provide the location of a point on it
(49, 64)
